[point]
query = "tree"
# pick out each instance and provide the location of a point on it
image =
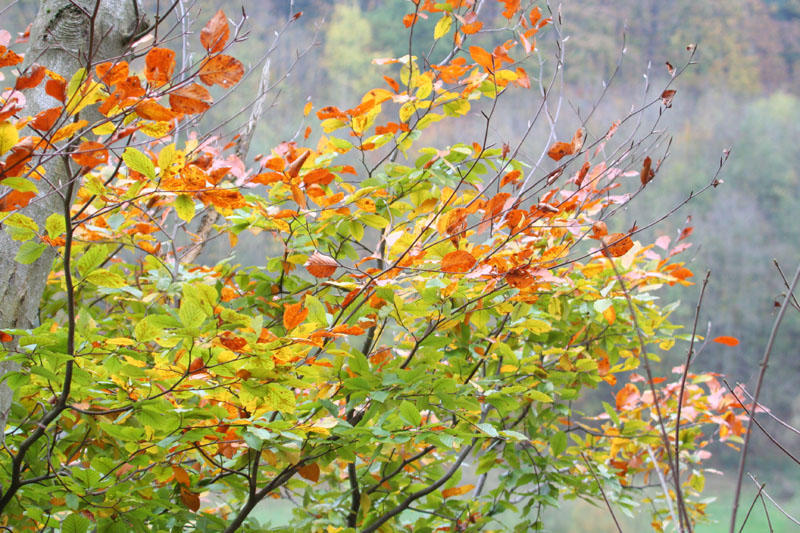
(423, 353)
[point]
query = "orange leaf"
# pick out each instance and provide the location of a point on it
(196, 365)
(294, 168)
(215, 34)
(559, 150)
(181, 476)
(293, 315)
(190, 499)
(457, 491)
(458, 261)
(616, 244)
(727, 341)
(320, 265)
(223, 198)
(627, 397)
(472, 27)
(111, 73)
(15, 200)
(151, 110)
(32, 79)
(309, 471)
(159, 65)
(191, 99)
(222, 70)
(582, 174)
(90, 154)
(57, 89)
(44, 120)
(482, 57)
(5, 337)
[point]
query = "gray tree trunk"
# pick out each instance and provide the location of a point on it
(60, 40)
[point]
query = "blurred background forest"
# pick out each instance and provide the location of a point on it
(743, 93)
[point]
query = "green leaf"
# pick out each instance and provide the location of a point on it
(538, 396)
(612, 414)
(92, 258)
(105, 278)
(139, 162)
(191, 313)
(55, 225)
(75, 523)
(20, 184)
(18, 220)
(184, 207)
(410, 413)
(29, 252)
(558, 443)
(146, 329)
(374, 221)
(488, 429)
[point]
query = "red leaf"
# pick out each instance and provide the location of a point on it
(57, 89)
(5, 337)
(727, 341)
(320, 265)
(159, 63)
(222, 70)
(666, 97)
(458, 261)
(215, 34)
(91, 154)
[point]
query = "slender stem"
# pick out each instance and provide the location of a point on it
(764, 363)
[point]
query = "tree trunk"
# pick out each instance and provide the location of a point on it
(60, 39)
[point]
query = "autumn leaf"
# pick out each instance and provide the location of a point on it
(457, 491)
(627, 397)
(151, 110)
(667, 96)
(458, 261)
(482, 57)
(293, 169)
(159, 65)
(727, 341)
(181, 476)
(646, 173)
(5, 337)
(44, 120)
(90, 154)
(32, 77)
(309, 471)
(112, 73)
(14, 200)
(320, 265)
(561, 149)
(616, 244)
(191, 99)
(57, 89)
(222, 70)
(190, 499)
(293, 315)
(215, 33)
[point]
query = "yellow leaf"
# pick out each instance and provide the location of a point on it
(156, 129)
(120, 341)
(442, 27)
(9, 136)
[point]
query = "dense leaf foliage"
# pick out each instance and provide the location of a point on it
(450, 335)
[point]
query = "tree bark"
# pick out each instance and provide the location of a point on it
(61, 37)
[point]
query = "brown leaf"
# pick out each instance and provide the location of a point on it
(293, 315)
(666, 97)
(190, 499)
(181, 476)
(215, 34)
(582, 174)
(458, 261)
(309, 471)
(577, 140)
(320, 265)
(647, 173)
(222, 70)
(670, 69)
(558, 150)
(159, 65)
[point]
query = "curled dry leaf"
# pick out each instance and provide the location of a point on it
(293, 169)
(670, 69)
(647, 172)
(666, 97)
(320, 265)
(560, 149)
(458, 261)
